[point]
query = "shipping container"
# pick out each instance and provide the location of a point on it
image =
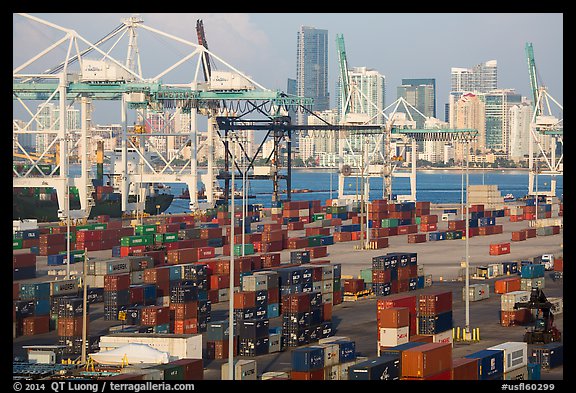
(391, 337)
(426, 360)
(244, 370)
(490, 363)
(508, 300)
(476, 292)
(515, 355)
(465, 369)
(385, 367)
(548, 356)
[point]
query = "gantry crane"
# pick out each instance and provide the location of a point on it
(544, 127)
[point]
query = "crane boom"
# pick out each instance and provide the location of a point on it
(344, 77)
(532, 73)
(205, 57)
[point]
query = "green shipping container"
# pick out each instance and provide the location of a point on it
(389, 222)
(366, 275)
(314, 241)
(77, 255)
(16, 244)
(337, 284)
(136, 241)
(171, 372)
(248, 249)
(418, 219)
(317, 217)
(166, 237)
(145, 229)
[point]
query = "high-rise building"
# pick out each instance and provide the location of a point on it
(420, 93)
(432, 150)
(470, 113)
(291, 89)
(520, 118)
(497, 107)
(312, 68)
(481, 78)
(370, 94)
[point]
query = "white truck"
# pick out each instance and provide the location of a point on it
(548, 261)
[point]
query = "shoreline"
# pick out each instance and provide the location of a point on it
(459, 169)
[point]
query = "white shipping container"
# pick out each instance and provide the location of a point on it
(317, 286)
(331, 339)
(427, 280)
(275, 374)
(255, 282)
(519, 374)
(328, 297)
(507, 300)
(223, 295)
(228, 80)
(344, 369)
(526, 284)
(443, 337)
(557, 305)
(515, 354)
(476, 292)
(497, 269)
(390, 337)
(420, 270)
(327, 286)
(332, 373)
(331, 353)
(24, 225)
(327, 272)
(136, 277)
(274, 342)
(101, 70)
(244, 370)
(303, 212)
(179, 346)
(95, 281)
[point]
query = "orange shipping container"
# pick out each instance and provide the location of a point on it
(426, 360)
(506, 285)
(465, 369)
(314, 375)
(394, 317)
(244, 299)
(518, 236)
(36, 325)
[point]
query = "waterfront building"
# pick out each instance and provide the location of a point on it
(421, 94)
(481, 78)
(312, 68)
(497, 107)
(470, 113)
(520, 118)
(369, 97)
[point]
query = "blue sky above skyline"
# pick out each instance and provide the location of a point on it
(398, 45)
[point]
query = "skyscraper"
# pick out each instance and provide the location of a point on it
(421, 93)
(371, 96)
(498, 103)
(520, 118)
(470, 113)
(481, 78)
(312, 68)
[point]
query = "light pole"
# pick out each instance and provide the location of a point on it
(244, 205)
(467, 327)
(232, 139)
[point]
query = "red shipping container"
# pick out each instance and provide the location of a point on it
(270, 259)
(182, 255)
(297, 242)
(273, 295)
(218, 349)
(206, 252)
(15, 291)
(20, 260)
(210, 233)
(441, 376)
(272, 246)
(213, 295)
(354, 285)
(244, 299)
(558, 264)
(530, 232)
(342, 236)
(421, 338)
(297, 225)
(156, 275)
(29, 243)
(380, 276)
(393, 317)
(33, 325)
(52, 239)
(70, 326)
(497, 229)
(116, 282)
(403, 272)
(136, 294)
(476, 208)
(518, 236)
(417, 238)
(131, 250)
(465, 369)
(378, 243)
(429, 219)
(500, 249)
(313, 375)
(434, 303)
(413, 271)
(473, 231)
(317, 252)
(506, 285)
(335, 221)
(529, 216)
(521, 316)
(403, 285)
(159, 256)
(516, 218)
(555, 230)
(193, 368)
(271, 236)
(297, 302)
(456, 224)
(155, 315)
(428, 227)
(186, 326)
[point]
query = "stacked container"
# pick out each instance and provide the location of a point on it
(217, 340)
(308, 363)
(305, 319)
(507, 285)
(23, 265)
(532, 276)
(244, 370)
(548, 356)
(339, 356)
(116, 294)
(253, 336)
(69, 323)
(401, 300)
(476, 292)
(435, 315)
(393, 326)
(509, 316)
(386, 367)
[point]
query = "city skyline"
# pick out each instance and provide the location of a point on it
(264, 45)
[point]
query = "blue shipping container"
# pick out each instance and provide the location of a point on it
(532, 271)
(534, 371)
(385, 367)
(420, 283)
(490, 363)
(306, 359)
(116, 251)
(473, 223)
(273, 310)
(382, 289)
(435, 324)
(42, 307)
(327, 240)
(510, 267)
(549, 355)
(57, 259)
(346, 350)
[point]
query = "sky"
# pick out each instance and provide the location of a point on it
(263, 45)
